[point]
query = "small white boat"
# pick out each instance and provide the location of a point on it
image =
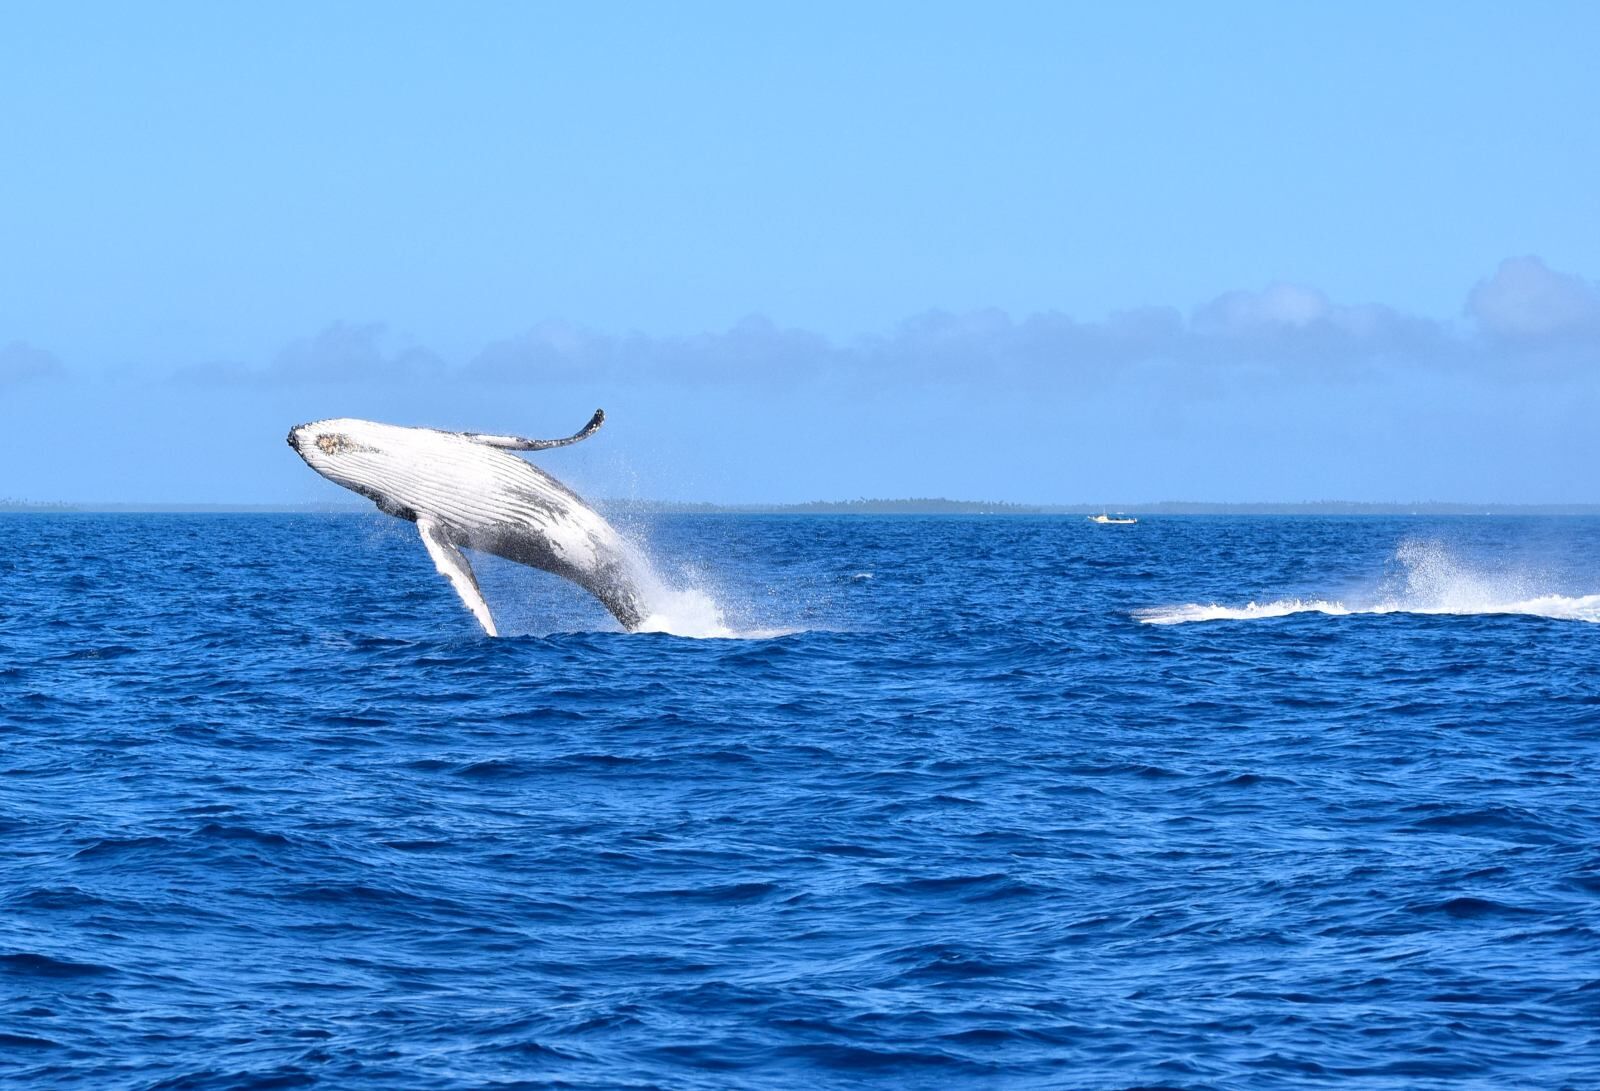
(1118, 520)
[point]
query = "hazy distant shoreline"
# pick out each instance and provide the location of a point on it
(913, 506)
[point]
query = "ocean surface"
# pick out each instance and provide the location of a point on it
(961, 802)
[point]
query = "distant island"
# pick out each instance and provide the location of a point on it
(941, 506)
(864, 506)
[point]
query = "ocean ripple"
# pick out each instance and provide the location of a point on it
(277, 815)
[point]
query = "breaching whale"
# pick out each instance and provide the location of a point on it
(464, 490)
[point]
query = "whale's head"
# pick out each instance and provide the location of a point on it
(349, 452)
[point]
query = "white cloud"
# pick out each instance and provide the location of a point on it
(1291, 327)
(1526, 300)
(753, 351)
(21, 363)
(339, 353)
(344, 353)
(1280, 307)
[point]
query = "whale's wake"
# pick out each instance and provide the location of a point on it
(1428, 579)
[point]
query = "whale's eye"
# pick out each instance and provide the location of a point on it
(332, 444)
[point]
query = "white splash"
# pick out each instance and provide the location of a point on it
(689, 609)
(694, 613)
(684, 612)
(1430, 580)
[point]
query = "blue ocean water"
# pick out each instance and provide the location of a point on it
(1014, 802)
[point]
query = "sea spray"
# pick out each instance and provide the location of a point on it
(1424, 576)
(690, 607)
(677, 598)
(678, 611)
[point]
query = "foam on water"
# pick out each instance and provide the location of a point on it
(1193, 611)
(688, 608)
(1427, 579)
(693, 612)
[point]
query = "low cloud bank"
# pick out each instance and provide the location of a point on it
(754, 351)
(1525, 320)
(1525, 313)
(1525, 302)
(343, 352)
(21, 363)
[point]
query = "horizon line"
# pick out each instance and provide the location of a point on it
(867, 506)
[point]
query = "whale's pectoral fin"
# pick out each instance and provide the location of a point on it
(517, 443)
(452, 564)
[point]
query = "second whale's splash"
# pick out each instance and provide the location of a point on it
(466, 490)
(1427, 577)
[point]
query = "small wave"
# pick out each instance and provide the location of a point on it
(1429, 579)
(29, 964)
(26, 1041)
(1466, 906)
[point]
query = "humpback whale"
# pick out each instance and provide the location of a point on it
(465, 490)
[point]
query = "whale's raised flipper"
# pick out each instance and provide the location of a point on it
(517, 443)
(452, 564)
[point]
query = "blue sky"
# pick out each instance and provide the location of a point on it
(1027, 252)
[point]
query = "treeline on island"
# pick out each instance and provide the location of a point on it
(942, 506)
